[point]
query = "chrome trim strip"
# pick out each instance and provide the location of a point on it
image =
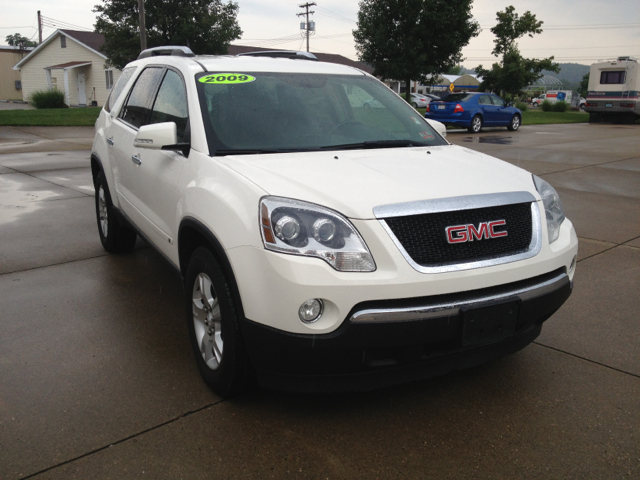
(424, 312)
(452, 203)
(536, 231)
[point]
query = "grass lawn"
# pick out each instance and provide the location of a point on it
(538, 117)
(59, 117)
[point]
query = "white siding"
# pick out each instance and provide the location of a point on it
(34, 76)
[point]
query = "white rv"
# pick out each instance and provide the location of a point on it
(613, 90)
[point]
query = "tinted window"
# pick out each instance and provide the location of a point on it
(117, 90)
(136, 111)
(457, 97)
(294, 111)
(171, 103)
(498, 101)
(616, 77)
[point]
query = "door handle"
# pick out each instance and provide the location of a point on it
(110, 140)
(136, 159)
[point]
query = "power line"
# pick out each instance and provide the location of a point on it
(52, 22)
(561, 48)
(582, 27)
(334, 16)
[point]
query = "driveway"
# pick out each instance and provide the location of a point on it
(97, 378)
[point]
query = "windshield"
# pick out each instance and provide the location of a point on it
(273, 112)
(458, 97)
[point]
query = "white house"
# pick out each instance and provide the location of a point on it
(70, 61)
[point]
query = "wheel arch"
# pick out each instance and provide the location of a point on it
(193, 234)
(96, 166)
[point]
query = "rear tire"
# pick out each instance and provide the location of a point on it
(213, 326)
(115, 237)
(515, 123)
(476, 124)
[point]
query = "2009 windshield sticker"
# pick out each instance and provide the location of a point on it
(227, 78)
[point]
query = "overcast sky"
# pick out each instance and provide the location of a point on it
(579, 32)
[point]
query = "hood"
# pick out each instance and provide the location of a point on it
(354, 182)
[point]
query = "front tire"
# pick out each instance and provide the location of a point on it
(476, 124)
(115, 237)
(213, 326)
(515, 123)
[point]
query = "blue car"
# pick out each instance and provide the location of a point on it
(474, 111)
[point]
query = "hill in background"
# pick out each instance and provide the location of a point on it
(570, 73)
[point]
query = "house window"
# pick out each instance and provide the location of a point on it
(108, 75)
(63, 41)
(54, 83)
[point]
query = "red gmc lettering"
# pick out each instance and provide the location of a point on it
(467, 233)
(460, 230)
(482, 231)
(497, 223)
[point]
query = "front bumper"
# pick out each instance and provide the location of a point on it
(394, 341)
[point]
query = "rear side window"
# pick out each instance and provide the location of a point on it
(484, 100)
(616, 77)
(171, 103)
(137, 110)
(117, 90)
(497, 101)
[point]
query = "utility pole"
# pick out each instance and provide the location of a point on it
(143, 28)
(39, 28)
(306, 13)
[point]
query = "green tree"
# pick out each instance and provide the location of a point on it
(513, 72)
(455, 70)
(17, 40)
(413, 39)
(206, 26)
(584, 86)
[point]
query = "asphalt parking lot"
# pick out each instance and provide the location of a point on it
(97, 378)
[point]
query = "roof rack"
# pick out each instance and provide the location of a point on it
(281, 54)
(174, 50)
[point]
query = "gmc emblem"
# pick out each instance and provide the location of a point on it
(468, 233)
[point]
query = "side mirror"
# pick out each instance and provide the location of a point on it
(156, 135)
(160, 136)
(510, 104)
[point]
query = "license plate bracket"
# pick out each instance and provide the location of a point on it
(489, 323)
(441, 107)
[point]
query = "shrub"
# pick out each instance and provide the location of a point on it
(48, 99)
(560, 106)
(547, 106)
(522, 106)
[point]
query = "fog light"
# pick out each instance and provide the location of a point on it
(573, 264)
(311, 310)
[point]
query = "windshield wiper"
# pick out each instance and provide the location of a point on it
(376, 144)
(224, 153)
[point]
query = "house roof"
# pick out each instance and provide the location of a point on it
(90, 40)
(323, 57)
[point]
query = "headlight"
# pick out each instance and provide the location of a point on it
(552, 207)
(301, 228)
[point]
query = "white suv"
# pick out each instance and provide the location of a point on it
(323, 245)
